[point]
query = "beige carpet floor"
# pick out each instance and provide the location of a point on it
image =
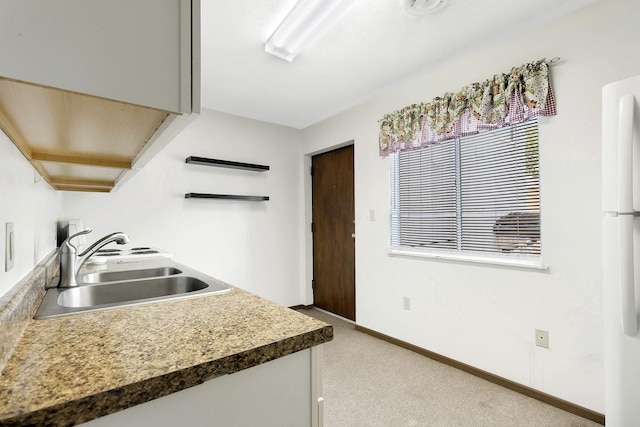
(368, 382)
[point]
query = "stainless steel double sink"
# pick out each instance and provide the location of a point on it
(126, 285)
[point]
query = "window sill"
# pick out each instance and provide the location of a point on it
(533, 264)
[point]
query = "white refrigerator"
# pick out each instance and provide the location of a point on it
(621, 250)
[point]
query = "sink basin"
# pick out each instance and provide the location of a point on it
(113, 289)
(96, 295)
(116, 276)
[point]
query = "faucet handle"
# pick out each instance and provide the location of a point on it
(67, 243)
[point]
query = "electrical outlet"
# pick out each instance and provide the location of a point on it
(542, 338)
(372, 215)
(407, 303)
(9, 247)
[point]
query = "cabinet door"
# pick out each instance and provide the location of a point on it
(133, 51)
(275, 394)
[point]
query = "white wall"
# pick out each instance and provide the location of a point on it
(32, 206)
(252, 245)
(483, 315)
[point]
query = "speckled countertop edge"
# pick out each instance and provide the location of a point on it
(69, 370)
(19, 303)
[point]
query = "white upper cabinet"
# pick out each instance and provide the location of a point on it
(91, 90)
(136, 51)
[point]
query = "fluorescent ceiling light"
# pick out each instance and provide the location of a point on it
(303, 22)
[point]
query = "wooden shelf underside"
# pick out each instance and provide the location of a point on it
(75, 141)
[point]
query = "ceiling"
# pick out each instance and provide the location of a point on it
(373, 46)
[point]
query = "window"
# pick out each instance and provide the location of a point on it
(477, 194)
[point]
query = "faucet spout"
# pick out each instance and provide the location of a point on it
(71, 262)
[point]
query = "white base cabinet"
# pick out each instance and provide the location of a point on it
(285, 392)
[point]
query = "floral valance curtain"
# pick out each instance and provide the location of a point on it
(522, 94)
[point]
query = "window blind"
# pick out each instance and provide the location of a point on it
(477, 193)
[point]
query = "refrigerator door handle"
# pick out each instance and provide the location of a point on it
(625, 221)
(627, 279)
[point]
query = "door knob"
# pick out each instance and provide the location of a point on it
(353, 235)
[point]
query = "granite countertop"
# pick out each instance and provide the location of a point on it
(68, 370)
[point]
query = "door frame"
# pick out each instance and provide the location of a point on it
(308, 218)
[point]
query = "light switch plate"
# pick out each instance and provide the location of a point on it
(9, 247)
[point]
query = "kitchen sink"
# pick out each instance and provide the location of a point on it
(121, 292)
(116, 276)
(113, 289)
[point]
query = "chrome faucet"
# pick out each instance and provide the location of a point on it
(71, 262)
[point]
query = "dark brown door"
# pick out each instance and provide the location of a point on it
(333, 232)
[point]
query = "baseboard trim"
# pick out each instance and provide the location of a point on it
(522, 389)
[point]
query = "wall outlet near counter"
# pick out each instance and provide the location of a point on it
(542, 338)
(406, 301)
